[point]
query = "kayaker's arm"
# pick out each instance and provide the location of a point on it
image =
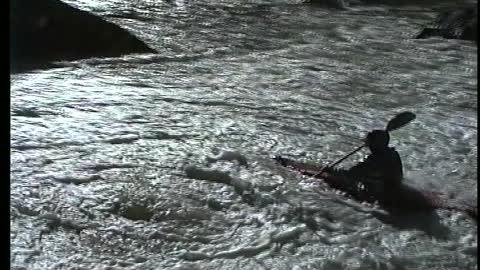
(363, 168)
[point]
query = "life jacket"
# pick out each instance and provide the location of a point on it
(384, 166)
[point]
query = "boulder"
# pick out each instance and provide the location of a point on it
(42, 31)
(458, 24)
(333, 4)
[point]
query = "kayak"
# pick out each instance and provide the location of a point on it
(406, 197)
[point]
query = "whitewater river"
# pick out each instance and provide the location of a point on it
(115, 163)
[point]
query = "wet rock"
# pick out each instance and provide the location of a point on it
(416, 3)
(336, 4)
(458, 24)
(50, 30)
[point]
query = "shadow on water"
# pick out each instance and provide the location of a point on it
(426, 221)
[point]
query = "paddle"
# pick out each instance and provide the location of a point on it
(400, 120)
(397, 122)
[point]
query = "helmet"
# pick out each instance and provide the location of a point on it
(377, 140)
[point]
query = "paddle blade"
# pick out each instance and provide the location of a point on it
(400, 120)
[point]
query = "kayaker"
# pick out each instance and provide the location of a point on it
(383, 164)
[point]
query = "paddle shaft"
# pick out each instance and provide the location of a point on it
(340, 160)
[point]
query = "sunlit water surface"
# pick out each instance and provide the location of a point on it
(122, 163)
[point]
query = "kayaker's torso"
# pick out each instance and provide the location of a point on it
(385, 166)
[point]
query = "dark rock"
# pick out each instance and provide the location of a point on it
(433, 4)
(335, 4)
(42, 31)
(459, 24)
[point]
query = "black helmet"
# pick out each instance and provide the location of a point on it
(377, 140)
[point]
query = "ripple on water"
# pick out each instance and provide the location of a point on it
(163, 161)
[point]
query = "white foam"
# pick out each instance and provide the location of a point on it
(229, 156)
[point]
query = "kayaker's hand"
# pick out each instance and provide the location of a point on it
(327, 170)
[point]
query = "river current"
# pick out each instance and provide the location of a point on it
(121, 163)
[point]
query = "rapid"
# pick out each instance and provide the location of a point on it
(164, 161)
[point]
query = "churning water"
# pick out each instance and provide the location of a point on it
(143, 162)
